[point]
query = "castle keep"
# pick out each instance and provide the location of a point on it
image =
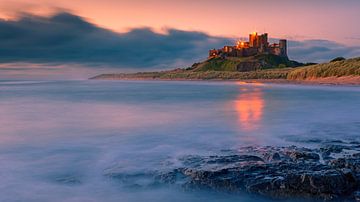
(257, 44)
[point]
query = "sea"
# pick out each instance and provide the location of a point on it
(59, 140)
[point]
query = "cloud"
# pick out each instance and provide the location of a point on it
(66, 38)
(320, 50)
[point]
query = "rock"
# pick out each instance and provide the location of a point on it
(300, 155)
(357, 195)
(274, 157)
(249, 66)
(350, 163)
(319, 184)
(274, 172)
(333, 148)
(277, 180)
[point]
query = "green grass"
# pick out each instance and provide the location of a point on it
(276, 61)
(218, 64)
(252, 63)
(350, 67)
(219, 69)
(204, 75)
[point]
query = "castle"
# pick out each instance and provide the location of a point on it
(257, 44)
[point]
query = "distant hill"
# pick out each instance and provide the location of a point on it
(336, 68)
(244, 64)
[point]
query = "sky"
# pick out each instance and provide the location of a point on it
(318, 30)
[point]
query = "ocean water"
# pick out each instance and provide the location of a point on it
(60, 139)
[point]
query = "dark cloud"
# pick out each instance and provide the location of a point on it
(67, 38)
(320, 50)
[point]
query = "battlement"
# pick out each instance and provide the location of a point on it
(257, 44)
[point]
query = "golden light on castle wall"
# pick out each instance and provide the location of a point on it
(241, 44)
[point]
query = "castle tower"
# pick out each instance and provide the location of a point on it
(263, 43)
(283, 47)
(264, 40)
(253, 39)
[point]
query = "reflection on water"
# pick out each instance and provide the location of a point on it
(249, 107)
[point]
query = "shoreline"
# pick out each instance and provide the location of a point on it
(328, 81)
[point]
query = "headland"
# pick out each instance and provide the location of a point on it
(256, 60)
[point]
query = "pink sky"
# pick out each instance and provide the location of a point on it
(334, 20)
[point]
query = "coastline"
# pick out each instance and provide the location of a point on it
(342, 73)
(330, 81)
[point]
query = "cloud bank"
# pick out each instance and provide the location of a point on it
(320, 50)
(67, 38)
(64, 38)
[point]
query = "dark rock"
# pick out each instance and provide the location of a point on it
(334, 141)
(350, 163)
(249, 66)
(356, 155)
(278, 180)
(284, 173)
(303, 155)
(232, 159)
(274, 157)
(275, 172)
(357, 195)
(333, 148)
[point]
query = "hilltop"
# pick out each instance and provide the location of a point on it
(245, 64)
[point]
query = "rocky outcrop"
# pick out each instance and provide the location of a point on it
(331, 172)
(249, 66)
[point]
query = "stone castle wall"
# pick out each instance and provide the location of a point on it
(258, 44)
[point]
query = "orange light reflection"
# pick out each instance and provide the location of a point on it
(249, 107)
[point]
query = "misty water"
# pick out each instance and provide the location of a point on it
(60, 139)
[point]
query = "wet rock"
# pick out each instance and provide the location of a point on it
(334, 141)
(280, 180)
(273, 157)
(333, 148)
(302, 155)
(350, 163)
(357, 196)
(327, 184)
(356, 155)
(232, 159)
(275, 172)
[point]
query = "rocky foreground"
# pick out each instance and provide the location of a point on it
(330, 172)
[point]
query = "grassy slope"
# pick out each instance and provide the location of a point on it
(231, 64)
(218, 64)
(350, 67)
(221, 70)
(205, 75)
